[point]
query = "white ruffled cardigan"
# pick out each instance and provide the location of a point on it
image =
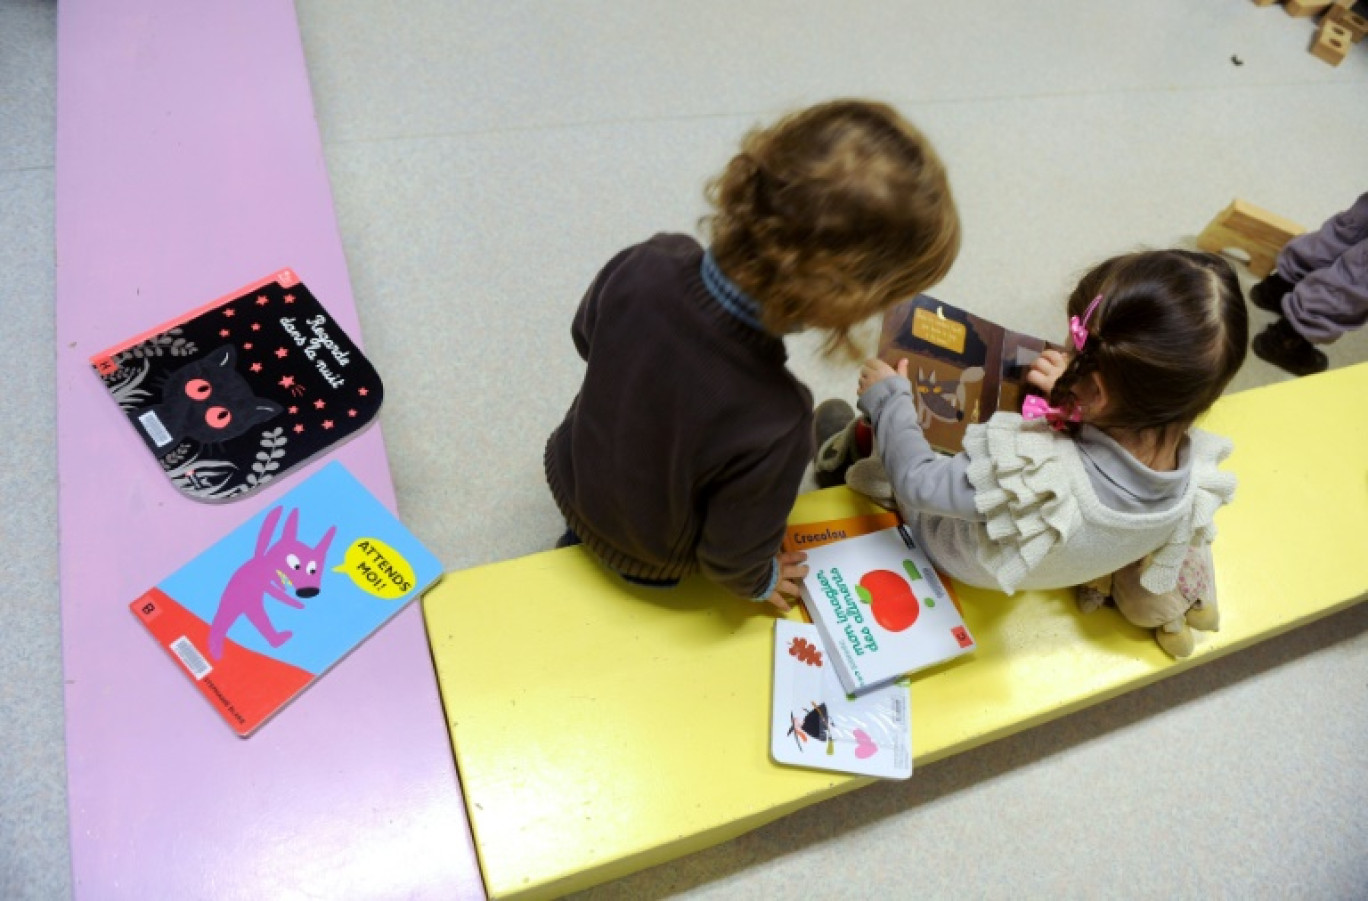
(1046, 527)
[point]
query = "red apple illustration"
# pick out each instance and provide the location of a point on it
(890, 599)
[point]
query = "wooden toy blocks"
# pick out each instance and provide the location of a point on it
(1256, 232)
(1342, 13)
(1303, 8)
(1332, 42)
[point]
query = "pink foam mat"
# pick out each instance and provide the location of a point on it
(189, 164)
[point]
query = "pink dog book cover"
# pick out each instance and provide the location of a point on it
(237, 393)
(264, 612)
(963, 368)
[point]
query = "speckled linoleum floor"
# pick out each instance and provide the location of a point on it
(486, 159)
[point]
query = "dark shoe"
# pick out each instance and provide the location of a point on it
(1268, 294)
(831, 429)
(1281, 345)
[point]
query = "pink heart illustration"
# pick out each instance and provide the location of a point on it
(864, 745)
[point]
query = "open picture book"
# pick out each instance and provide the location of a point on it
(261, 614)
(963, 368)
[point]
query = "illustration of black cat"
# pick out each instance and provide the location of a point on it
(205, 401)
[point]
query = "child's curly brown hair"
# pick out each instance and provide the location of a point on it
(831, 215)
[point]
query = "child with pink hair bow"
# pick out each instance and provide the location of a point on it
(1103, 483)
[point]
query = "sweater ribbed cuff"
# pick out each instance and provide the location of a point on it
(769, 588)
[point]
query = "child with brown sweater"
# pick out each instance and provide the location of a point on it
(684, 450)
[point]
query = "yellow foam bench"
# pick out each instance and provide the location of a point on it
(600, 729)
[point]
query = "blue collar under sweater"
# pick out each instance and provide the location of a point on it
(733, 299)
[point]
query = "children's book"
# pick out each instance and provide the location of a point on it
(807, 535)
(239, 392)
(881, 609)
(260, 615)
(816, 724)
(963, 368)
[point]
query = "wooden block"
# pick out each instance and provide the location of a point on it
(1304, 8)
(1261, 262)
(602, 728)
(1332, 42)
(1255, 232)
(1341, 12)
(1260, 224)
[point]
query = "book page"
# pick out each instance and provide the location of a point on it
(814, 723)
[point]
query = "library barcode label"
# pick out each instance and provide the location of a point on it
(155, 430)
(189, 655)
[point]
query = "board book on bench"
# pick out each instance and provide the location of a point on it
(264, 612)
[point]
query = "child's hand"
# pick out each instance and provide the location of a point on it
(876, 370)
(791, 571)
(1046, 370)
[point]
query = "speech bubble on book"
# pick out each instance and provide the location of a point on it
(377, 569)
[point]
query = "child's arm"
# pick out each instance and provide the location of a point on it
(922, 479)
(582, 329)
(744, 516)
(790, 567)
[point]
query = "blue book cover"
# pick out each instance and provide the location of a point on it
(264, 612)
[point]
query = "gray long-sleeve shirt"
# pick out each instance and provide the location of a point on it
(1025, 507)
(929, 482)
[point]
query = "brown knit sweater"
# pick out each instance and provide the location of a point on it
(684, 450)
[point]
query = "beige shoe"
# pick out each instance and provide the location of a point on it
(868, 477)
(833, 429)
(1143, 607)
(1093, 594)
(1176, 638)
(1204, 615)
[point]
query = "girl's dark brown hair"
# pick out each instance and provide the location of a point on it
(832, 215)
(1167, 337)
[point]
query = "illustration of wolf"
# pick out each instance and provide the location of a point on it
(287, 570)
(206, 400)
(942, 400)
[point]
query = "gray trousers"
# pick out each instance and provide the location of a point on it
(1328, 269)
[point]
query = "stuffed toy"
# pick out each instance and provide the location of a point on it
(1172, 615)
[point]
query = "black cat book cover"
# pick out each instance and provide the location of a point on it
(238, 393)
(963, 368)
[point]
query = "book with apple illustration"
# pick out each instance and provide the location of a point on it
(963, 368)
(805, 536)
(881, 608)
(814, 723)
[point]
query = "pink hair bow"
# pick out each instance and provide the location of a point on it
(1079, 329)
(1037, 407)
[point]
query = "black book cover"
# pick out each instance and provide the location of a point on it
(240, 392)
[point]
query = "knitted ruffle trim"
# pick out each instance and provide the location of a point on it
(1022, 488)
